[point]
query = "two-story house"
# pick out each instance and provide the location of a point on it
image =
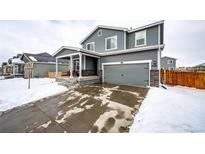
(168, 63)
(118, 55)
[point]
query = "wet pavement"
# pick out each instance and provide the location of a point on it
(94, 108)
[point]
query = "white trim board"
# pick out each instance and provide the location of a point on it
(66, 47)
(127, 63)
(98, 54)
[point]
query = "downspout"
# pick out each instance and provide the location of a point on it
(125, 40)
(56, 75)
(159, 55)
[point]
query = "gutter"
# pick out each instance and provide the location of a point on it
(131, 50)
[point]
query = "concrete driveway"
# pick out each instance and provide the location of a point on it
(93, 108)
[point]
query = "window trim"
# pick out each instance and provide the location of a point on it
(115, 36)
(98, 31)
(145, 43)
(93, 46)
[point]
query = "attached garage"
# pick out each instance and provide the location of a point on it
(127, 73)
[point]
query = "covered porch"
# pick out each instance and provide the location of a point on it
(83, 67)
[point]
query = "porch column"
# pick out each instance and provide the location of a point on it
(80, 65)
(71, 66)
(13, 67)
(56, 67)
(98, 67)
(84, 60)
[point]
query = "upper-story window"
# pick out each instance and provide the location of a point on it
(99, 32)
(90, 46)
(170, 61)
(140, 38)
(111, 43)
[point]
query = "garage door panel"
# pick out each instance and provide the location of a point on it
(129, 74)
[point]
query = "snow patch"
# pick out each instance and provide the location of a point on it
(45, 125)
(75, 110)
(32, 58)
(177, 109)
(14, 92)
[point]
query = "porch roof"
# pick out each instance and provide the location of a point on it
(78, 50)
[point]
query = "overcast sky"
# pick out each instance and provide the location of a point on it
(184, 40)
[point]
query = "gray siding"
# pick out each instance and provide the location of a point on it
(100, 40)
(41, 69)
(91, 63)
(165, 65)
(162, 33)
(144, 55)
(151, 36)
(65, 52)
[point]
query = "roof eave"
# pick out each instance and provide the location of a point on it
(147, 26)
(132, 50)
(66, 47)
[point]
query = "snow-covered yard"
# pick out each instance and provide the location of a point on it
(177, 109)
(14, 92)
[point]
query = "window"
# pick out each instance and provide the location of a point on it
(99, 33)
(90, 46)
(140, 38)
(170, 61)
(111, 43)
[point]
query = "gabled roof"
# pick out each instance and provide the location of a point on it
(41, 57)
(200, 65)
(17, 60)
(122, 29)
(105, 27)
(66, 47)
(146, 26)
(169, 57)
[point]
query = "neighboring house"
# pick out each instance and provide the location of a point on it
(118, 55)
(14, 67)
(17, 66)
(168, 63)
(6, 69)
(1, 71)
(38, 65)
(200, 67)
(182, 68)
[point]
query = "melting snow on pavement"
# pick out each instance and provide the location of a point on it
(177, 109)
(14, 92)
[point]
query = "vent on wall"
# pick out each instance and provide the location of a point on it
(99, 32)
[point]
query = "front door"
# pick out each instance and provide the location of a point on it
(76, 67)
(16, 69)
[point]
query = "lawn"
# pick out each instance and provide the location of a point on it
(177, 109)
(14, 92)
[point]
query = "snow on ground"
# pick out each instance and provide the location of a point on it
(177, 109)
(14, 92)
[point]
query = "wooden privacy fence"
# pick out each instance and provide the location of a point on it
(188, 79)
